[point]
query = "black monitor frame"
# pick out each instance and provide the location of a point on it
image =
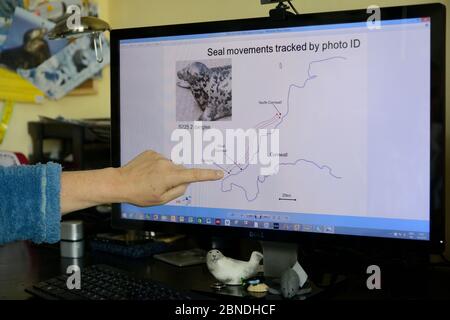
(437, 12)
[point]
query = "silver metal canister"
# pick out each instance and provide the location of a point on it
(72, 239)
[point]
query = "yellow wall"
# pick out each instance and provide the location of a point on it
(131, 13)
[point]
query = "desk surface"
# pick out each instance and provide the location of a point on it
(23, 264)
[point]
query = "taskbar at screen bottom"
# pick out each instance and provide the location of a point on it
(282, 226)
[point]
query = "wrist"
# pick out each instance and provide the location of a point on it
(114, 185)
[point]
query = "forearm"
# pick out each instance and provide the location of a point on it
(84, 189)
(147, 180)
(32, 198)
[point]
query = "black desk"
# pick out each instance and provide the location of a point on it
(23, 264)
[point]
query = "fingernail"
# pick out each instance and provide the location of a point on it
(219, 173)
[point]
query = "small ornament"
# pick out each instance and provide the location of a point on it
(231, 271)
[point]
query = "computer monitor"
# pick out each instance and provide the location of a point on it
(327, 125)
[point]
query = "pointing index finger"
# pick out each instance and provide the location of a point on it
(198, 175)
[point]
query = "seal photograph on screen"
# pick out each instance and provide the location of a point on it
(204, 90)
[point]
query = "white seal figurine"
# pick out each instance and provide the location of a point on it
(231, 271)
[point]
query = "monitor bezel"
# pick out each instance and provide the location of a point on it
(437, 13)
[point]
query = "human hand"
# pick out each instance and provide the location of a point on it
(150, 179)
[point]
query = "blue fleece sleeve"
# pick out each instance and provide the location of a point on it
(29, 203)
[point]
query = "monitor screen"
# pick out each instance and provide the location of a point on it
(318, 129)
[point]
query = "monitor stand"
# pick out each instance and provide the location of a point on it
(278, 257)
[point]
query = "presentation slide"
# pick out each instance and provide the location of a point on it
(341, 117)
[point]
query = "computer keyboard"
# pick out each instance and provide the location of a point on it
(102, 282)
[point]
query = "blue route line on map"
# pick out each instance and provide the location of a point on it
(262, 179)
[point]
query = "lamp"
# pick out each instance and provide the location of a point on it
(88, 26)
